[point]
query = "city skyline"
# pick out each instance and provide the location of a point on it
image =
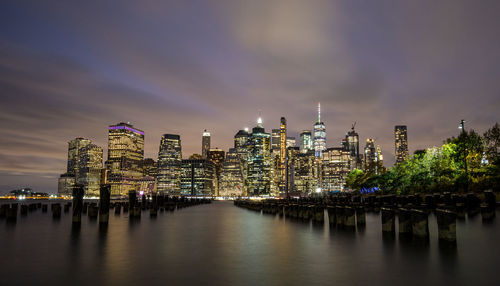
(379, 65)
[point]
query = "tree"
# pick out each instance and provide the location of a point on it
(492, 144)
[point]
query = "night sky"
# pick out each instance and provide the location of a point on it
(70, 70)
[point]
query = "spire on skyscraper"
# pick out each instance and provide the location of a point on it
(319, 112)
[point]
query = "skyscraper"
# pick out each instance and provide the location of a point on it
(197, 177)
(74, 147)
(259, 161)
(275, 139)
(370, 155)
(205, 144)
(231, 179)
(290, 142)
(89, 169)
(319, 135)
(216, 156)
(334, 169)
(306, 142)
(352, 144)
(283, 185)
(125, 156)
(401, 143)
(169, 165)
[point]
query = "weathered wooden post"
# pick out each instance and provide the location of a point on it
(56, 210)
(24, 210)
(360, 216)
(104, 200)
(331, 215)
(3, 210)
(12, 213)
(419, 223)
(78, 193)
(118, 208)
(349, 217)
(132, 202)
(446, 226)
(404, 222)
(319, 215)
(388, 225)
(153, 211)
(339, 214)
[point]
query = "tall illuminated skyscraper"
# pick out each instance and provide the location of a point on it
(275, 139)
(352, 141)
(205, 144)
(306, 142)
(370, 155)
(283, 185)
(216, 156)
(89, 169)
(259, 161)
(401, 143)
(197, 177)
(74, 147)
(125, 156)
(231, 179)
(319, 135)
(169, 165)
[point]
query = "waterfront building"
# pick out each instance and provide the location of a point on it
(197, 177)
(65, 184)
(301, 167)
(401, 143)
(259, 161)
(125, 156)
(149, 168)
(205, 144)
(74, 147)
(370, 155)
(216, 156)
(351, 144)
(283, 184)
(90, 169)
(231, 182)
(169, 165)
(306, 141)
(334, 169)
(147, 185)
(241, 144)
(319, 135)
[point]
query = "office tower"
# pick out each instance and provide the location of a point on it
(65, 184)
(125, 156)
(334, 169)
(301, 166)
(74, 147)
(283, 158)
(380, 157)
(401, 143)
(319, 135)
(240, 144)
(290, 142)
(205, 144)
(231, 179)
(197, 177)
(370, 155)
(351, 144)
(67, 180)
(306, 142)
(149, 167)
(169, 165)
(259, 161)
(89, 169)
(216, 156)
(275, 139)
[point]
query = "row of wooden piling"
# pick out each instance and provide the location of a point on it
(100, 210)
(347, 211)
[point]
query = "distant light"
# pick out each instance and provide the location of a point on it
(259, 120)
(141, 193)
(318, 190)
(246, 129)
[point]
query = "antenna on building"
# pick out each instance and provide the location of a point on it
(319, 112)
(353, 125)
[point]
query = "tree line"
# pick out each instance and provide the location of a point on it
(468, 162)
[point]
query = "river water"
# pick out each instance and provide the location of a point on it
(220, 244)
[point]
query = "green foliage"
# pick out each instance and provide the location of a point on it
(458, 165)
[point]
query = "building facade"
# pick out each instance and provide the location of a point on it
(306, 141)
(168, 176)
(125, 156)
(401, 143)
(259, 161)
(319, 136)
(231, 182)
(90, 169)
(197, 177)
(205, 144)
